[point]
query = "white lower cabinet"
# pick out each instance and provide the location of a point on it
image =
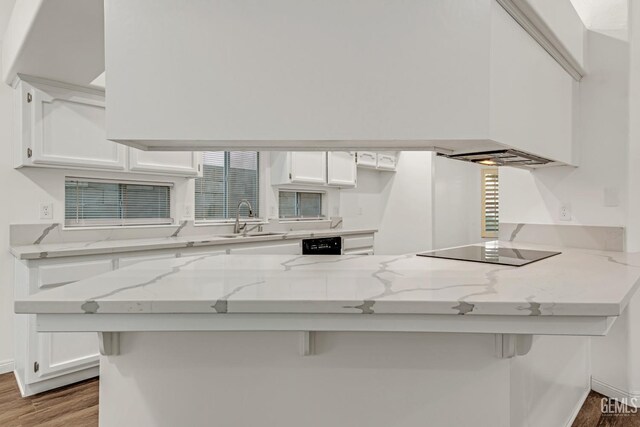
(358, 245)
(48, 360)
(59, 353)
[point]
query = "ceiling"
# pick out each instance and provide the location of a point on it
(596, 14)
(602, 14)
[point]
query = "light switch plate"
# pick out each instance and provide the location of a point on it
(565, 212)
(46, 210)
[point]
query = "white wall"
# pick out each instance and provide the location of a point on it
(631, 328)
(10, 184)
(398, 203)
(457, 203)
(362, 207)
(406, 219)
(595, 190)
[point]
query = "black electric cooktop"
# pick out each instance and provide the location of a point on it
(491, 254)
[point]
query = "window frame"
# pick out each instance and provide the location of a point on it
(484, 233)
(323, 204)
(121, 223)
(262, 208)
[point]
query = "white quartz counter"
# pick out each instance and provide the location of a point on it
(106, 246)
(575, 283)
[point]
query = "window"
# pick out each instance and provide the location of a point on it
(300, 205)
(90, 202)
(227, 178)
(490, 203)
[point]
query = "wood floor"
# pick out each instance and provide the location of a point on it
(591, 415)
(72, 406)
(77, 406)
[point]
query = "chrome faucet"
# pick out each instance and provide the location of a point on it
(238, 228)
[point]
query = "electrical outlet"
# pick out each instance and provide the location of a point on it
(46, 211)
(565, 212)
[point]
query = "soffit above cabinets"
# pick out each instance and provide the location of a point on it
(297, 75)
(452, 77)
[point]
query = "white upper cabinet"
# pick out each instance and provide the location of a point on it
(453, 76)
(314, 168)
(387, 160)
(299, 167)
(186, 163)
(308, 167)
(383, 160)
(63, 126)
(367, 159)
(341, 168)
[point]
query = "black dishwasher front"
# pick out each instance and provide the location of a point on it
(322, 246)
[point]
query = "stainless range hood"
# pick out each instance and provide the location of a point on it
(515, 158)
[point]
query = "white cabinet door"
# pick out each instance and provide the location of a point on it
(66, 128)
(367, 159)
(181, 163)
(387, 160)
(308, 167)
(59, 353)
(290, 248)
(358, 245)
(341, 168)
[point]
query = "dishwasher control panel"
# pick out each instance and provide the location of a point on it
(322, 246)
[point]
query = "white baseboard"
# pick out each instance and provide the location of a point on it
(576, 410)
(56, 382)
(6, 366)
(615, 393)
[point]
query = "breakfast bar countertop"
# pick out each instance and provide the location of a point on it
(575, 283)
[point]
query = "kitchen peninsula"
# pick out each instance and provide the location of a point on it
(363, 340)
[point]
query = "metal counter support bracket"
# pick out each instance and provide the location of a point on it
(109, 343)
(307, 343)
(511, 345)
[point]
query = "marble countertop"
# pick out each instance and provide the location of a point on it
(106, 246)
(575, 283)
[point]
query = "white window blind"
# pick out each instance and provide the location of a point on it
(299, 205)
(227, 178)
(101, 203)
(490, 203)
